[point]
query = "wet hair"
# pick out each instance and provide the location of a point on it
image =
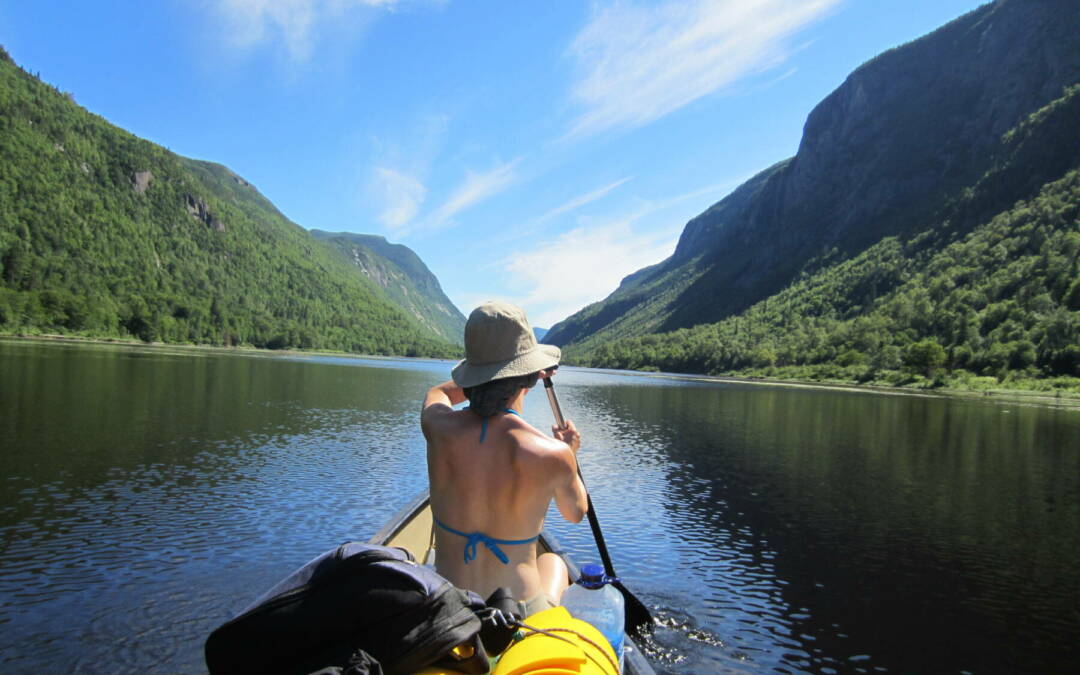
(491, 397)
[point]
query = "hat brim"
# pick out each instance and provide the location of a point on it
(542, 356)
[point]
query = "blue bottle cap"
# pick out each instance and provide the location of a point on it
(592, 575)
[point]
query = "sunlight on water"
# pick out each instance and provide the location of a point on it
(147, 495)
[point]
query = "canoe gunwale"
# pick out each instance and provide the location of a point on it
(402, 518)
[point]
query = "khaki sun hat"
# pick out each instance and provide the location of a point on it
(499, 342)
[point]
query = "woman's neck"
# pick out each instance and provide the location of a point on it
(518, 401)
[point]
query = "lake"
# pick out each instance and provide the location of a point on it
(148, 494)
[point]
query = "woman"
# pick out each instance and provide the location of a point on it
(492, 474)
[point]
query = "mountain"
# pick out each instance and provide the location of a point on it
(105, 234)
(540, 333)
(1000, 303)
(888, 154)
(403, 276)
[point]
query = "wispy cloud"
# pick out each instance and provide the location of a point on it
(394, 178)
(581, 200)
(586, 264)
(295, 23)
(477, 187)
(718, 190)
(400, 196)
(637, 64)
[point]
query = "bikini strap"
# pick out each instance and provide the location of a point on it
(484, 422)
(491, 543)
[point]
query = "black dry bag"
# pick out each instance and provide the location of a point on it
(354, 601)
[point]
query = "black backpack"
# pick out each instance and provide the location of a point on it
(354, 609)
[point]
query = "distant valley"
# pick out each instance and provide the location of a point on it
(926, 233)
(406, 279)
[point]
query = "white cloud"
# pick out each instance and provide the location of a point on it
(296, 23)
(476, 188)
(582, 266)
(637, 64)
(581, 200)
(400, 196)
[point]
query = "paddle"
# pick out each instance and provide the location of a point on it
(638, 617)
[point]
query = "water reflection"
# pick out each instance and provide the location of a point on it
(146, 495)
(837, 531)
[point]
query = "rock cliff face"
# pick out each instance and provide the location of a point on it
(880, 156)
(140, 181)
(403, 276)
(197, 207)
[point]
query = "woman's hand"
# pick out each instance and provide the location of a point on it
(569, 435)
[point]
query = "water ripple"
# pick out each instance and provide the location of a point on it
(766, 529)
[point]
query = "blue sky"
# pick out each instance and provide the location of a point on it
(533, 152)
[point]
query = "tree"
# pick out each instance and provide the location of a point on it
(924, 357)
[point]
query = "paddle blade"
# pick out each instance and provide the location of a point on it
(639, 619)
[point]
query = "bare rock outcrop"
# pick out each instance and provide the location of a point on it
(141, 181)
(198, 209)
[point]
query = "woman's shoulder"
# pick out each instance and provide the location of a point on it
(442, 420)
(537, 446)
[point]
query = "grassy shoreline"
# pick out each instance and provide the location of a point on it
(980, 388)
(240, 349)
(977, 387)
(1063, 398)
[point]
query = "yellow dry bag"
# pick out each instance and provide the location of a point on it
(562, 645)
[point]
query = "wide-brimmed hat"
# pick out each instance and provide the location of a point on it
(499, 342)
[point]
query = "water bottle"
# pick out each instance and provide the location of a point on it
(592, 598)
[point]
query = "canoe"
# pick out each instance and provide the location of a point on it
(412, 529)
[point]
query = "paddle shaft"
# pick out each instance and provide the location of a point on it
(637, 614)
(594, 523)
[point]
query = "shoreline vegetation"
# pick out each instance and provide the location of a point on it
(1051, 393)
(246, 349)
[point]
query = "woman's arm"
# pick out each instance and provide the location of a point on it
(447, 393)
(570, 495)
(438, 404)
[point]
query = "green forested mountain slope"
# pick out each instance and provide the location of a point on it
(888, 154)
(403, 276)
(106, 234)
(986, 291)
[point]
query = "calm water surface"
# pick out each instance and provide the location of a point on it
(146, 495)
